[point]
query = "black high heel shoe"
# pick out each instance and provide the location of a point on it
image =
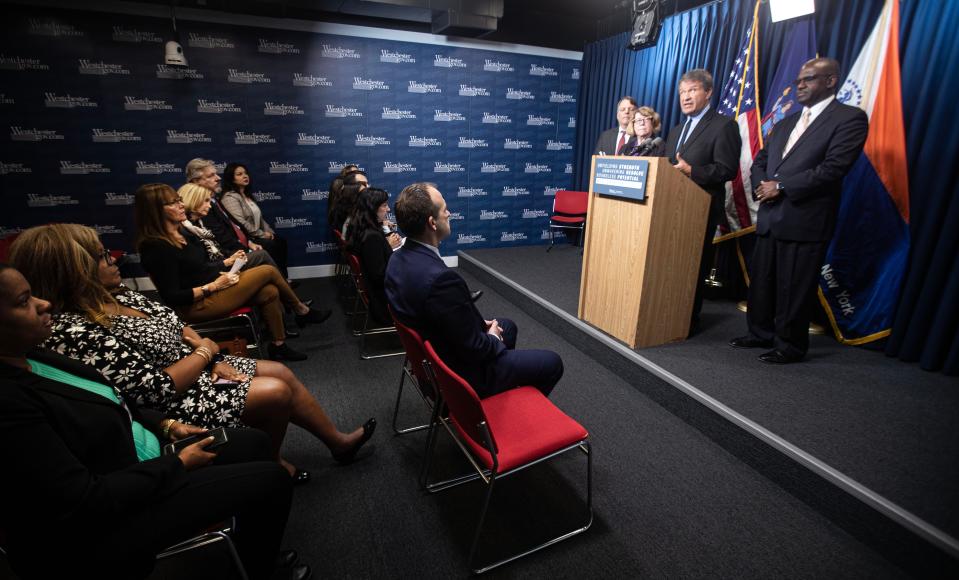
(347, 457)
(314, 316)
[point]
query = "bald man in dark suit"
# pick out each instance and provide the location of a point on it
(797, 178)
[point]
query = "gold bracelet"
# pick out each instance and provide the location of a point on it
(166, 428)
(204, 353)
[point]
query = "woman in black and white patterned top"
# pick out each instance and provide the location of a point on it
(144, 349)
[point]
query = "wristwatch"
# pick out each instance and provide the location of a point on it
(779, 187)
(206, 290)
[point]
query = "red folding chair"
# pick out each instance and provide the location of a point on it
(363, 299)
(501, 435)
(414, 371)
(569, 213)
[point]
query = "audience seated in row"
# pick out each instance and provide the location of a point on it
(86, 491)
(197, 288)
(147, 352)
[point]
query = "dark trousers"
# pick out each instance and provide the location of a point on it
(705, 260)
(515, 368)
(243, 481)
(784, 276)
(277, 250)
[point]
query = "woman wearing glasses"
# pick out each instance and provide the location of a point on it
(200, 290)
(145, 350)
(643, 131)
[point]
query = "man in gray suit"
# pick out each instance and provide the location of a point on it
(611, 141)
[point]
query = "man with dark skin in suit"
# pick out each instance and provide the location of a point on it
(797, 179)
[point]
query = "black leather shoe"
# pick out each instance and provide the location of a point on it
(301, 572)
(778, 357)
(286, 558)
(314, 316)
(749, 342)
(300, 476)
(283, 352)
(475, 295)
(346, 457)
(293, 283)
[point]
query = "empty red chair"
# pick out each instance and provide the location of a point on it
(501, 435)
(569, 213)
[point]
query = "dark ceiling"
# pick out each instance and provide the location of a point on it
(563, 24)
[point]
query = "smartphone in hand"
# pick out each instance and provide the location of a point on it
(219, 439)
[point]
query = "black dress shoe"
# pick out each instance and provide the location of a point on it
(294, 572)
(301, 572)
(300, 476)
(314, 316)
(283, 352)
(749, 342)
(293, 283)
(475, 295)
(347, 457)
(778, 357)
(286, 558)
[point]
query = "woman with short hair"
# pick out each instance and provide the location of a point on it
(643, 131)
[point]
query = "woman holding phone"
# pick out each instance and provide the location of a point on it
(84, 476)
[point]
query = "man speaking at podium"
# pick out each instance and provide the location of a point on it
(797, 179)
(705, 148)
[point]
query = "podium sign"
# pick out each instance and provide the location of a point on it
(641, 258)
(623, 177)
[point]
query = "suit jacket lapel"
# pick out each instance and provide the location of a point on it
(700, 128)
(815, 125)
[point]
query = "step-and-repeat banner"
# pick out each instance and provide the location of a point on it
(90, 113)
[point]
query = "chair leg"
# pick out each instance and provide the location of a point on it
(550, 239)
(396, 408)
(479, 524)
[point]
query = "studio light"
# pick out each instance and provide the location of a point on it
(786, 9)
(646, 24)
(173, 51)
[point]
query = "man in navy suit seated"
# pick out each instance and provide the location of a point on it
(432, 298)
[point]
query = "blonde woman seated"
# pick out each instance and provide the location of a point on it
(196, 202)
(148, 354)
(199, 289)
(643, 131)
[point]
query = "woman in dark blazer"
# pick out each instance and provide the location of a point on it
(371, 239)
(85, 491)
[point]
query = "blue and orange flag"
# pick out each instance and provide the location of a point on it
(866, 260)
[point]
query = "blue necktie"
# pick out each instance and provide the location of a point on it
(684, 135)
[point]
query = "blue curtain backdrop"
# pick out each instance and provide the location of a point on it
(926, 328)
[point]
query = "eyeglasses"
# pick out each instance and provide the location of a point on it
(643, 120)
(809, 78)
(173, 201)
(107, 256)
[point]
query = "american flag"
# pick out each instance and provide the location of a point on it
(740, 101)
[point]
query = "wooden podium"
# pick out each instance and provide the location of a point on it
(641, 259)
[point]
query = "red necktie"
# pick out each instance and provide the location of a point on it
(239, 231)
(622, 142)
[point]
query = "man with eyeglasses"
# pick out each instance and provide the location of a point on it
(704, 147)
(797, 179)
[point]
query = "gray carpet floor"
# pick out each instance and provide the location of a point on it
(668, 501)
(887, 424)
